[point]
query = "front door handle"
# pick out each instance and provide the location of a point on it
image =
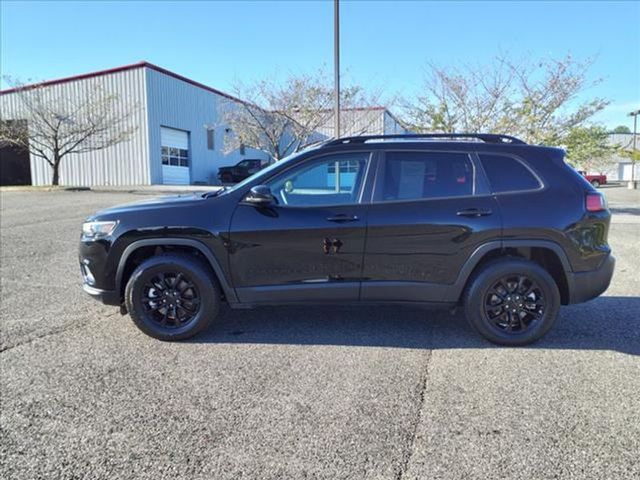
(342, 218)
(474, 212)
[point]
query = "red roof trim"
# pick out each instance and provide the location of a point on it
(123, 68)
(358, 109)
(192, 82)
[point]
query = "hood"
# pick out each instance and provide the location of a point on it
(168, 201)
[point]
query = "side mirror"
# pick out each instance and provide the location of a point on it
(259, 196)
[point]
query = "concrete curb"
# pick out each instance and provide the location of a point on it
(140, 189)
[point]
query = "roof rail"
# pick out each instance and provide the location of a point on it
(485, 137)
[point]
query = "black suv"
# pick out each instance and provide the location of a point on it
(241, 170)
(506, 230)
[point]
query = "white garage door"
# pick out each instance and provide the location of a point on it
(175, 156)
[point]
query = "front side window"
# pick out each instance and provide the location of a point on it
(422, 175)
(506, 174)
(322, 182)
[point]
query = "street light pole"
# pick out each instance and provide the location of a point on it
(336, 67)
(632, 183)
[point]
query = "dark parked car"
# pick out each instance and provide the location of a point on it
(241, 170)
(505, 230)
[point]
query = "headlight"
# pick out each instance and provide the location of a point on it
(98, 229)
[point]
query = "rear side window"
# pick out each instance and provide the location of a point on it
(506, 174)
(416, 175)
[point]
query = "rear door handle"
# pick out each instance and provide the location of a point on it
(343, 218)
(474, 212)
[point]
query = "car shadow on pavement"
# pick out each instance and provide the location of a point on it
(625, 210)
(606, 323)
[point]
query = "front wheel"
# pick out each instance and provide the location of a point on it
(595, 183)
(512, 301)
(172, 297)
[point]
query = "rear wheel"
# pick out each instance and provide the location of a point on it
(172, 297)
(512, 302)
(595, 183)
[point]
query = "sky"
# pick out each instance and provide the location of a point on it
(384, 45)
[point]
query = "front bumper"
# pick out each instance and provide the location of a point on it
(108, 297)
(584, 286)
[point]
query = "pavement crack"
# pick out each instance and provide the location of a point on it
(408, 454)
(74, 326)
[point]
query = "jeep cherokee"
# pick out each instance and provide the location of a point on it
(505, 230)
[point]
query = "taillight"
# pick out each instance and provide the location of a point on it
(596, 202)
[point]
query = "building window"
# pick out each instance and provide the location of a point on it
(211, 138)
(176, 157)
(345, 167)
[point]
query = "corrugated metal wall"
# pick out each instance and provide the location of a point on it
(392, 126)
(124, 164)
(366, 121)
(174, 103)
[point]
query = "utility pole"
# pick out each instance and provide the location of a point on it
(632, 183)
(336, 68)
(336, 85)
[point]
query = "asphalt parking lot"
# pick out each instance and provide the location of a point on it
(332, 393)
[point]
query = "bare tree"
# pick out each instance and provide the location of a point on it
(283, 117)
(535, 100)
(54, 126)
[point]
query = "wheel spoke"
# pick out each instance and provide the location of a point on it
(158, 282)
(509, 322)
(153, 308)
(163, 322)
(521, 319)
(187, 287)
(513, 303)
(501, 290)
(170, 299)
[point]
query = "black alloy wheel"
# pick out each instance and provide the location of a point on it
(170, 299)
(172, 296)
(512, 301)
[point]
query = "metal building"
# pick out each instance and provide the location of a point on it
(376, 120)
(179, 136)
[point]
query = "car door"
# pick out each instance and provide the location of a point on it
(430, 210)
(308, 244)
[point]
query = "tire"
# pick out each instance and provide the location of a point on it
(512, 317)
(595, 183)
(227, 178)
(167, 310)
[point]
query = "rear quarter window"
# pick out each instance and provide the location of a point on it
(507, 174)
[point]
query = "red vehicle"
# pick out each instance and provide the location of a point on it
(595, 180)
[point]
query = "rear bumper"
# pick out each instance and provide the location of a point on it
(108, 297)
(584, 286)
